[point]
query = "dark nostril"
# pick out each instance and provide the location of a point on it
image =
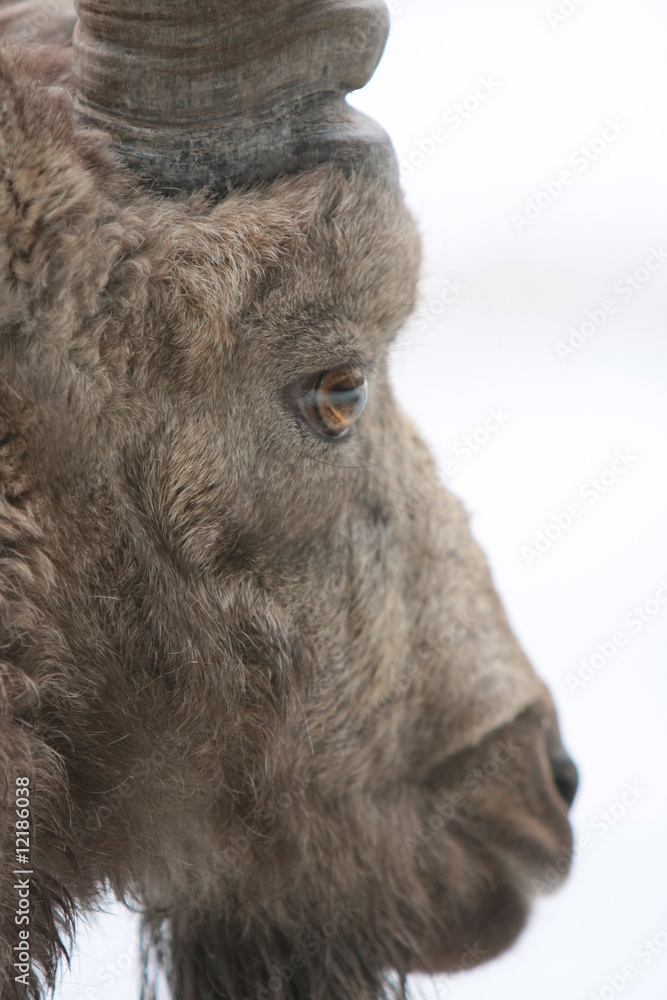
(565, 775)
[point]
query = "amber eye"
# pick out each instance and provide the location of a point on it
(334, 403)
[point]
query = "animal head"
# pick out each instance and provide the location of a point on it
(256, 681)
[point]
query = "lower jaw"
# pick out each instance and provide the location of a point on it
(489, 931)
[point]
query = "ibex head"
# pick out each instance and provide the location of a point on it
(249, 677)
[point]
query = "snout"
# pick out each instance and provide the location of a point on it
(515, 790)
(503, 834)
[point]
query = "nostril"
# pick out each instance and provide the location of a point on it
(565, 775)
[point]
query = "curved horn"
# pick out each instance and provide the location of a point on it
(222, 93)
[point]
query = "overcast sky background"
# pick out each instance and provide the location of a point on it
(504, 285)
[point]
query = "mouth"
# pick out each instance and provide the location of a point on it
(505, 840)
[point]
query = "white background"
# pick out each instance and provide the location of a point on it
(555, 85)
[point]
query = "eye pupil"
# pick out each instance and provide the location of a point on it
(334, 404)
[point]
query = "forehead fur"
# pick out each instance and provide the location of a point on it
(92, 263)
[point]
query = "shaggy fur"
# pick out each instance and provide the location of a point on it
(248, 672)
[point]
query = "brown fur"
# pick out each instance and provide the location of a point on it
(206, 611)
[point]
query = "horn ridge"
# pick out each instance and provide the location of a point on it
(219, 95)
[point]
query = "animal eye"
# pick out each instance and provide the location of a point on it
(334, 403)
